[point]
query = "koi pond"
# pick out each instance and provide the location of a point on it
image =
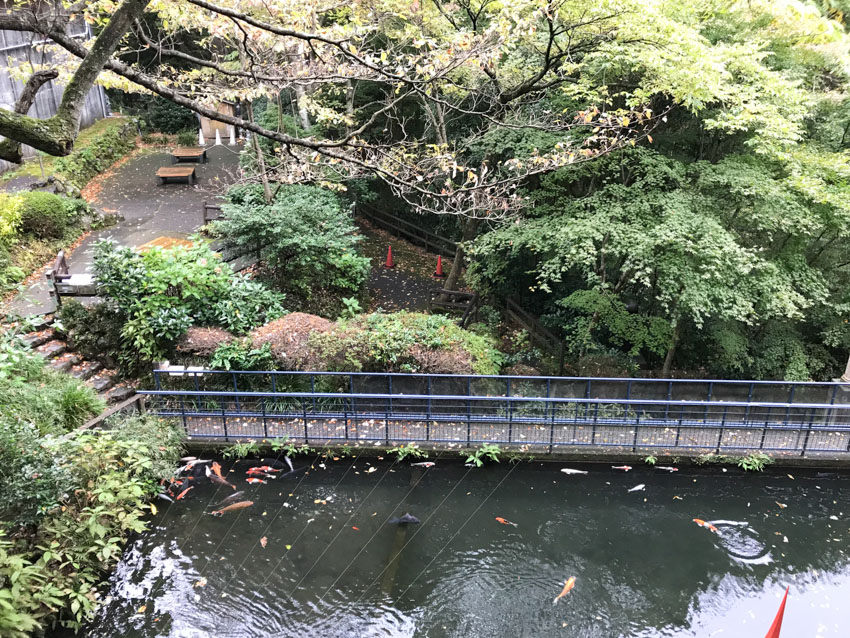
(316, 554)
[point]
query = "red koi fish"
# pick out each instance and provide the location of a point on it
(625, 468)
(568, 585)
(184, 492)
(706, 525)
(505, 521)
(268, 469)
(254, 481)
(216, 469)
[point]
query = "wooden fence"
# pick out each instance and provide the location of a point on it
(18, 49)
(537, 332)
(432, 242)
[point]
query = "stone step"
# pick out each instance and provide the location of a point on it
(86, 369)
(103, 380)
(35, 339)
(64, 362)
(119, 393)
(52, 349)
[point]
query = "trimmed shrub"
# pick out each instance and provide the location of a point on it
(306, 240)
(161, 293)
(187, 138)
(397, 342)
(43, 215)
(203, 342)
(10, 216)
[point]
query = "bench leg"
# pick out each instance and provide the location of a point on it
(160, 181)
(192, 179)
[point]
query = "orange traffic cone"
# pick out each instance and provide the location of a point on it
(439, 272)
(390, 263)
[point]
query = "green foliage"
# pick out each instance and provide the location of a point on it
(43, 215)
(290, 448)
(94, 330)
(486, 451)
(405, 342)
(352, 308)
(239, 355)
(305, 239)
(81, 496)
(32, 394)
(10, 216)
(755, 462)
(161, 293)
(241, 450)
(650, 460)
(407, 450)
(154, 113)
(112, 142)
(187, 138)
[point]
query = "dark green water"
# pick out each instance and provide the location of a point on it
(642, 567)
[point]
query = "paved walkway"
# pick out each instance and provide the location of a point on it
(148, 211)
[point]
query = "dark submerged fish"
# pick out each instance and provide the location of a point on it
(405, 519)
(232, 498)
(220, 481)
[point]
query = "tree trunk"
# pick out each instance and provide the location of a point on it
(671, 351)
(303, 114)
(261, 162)
(470, 227)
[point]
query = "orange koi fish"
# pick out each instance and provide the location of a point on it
(706, 525)
(236, 506)
(568, 585)
(184, 492)
(505, 521)
(216, 468)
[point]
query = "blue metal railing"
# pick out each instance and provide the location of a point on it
(718, 415)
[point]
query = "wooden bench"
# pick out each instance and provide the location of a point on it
(61, 282)
(189, 154)
(176, 172)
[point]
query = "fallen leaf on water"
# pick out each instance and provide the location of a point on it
(355, 528)
(782, 505)
(677, 498)
(288, 546)
(317, 501)
(141, 609)
(790, 477)
(264, 541)
(201, 583)
(371, 469)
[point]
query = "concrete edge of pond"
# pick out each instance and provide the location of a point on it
(696, 457)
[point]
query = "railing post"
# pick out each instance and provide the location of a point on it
(764, 428)
(595, 417)
(387, 413)
(510, 407)
(236, 390)
(705, 412)
(546, 406)
(265, 423)
(722, 429)
(808, 433)
(468, 412)
(306, 429)
(428, 412)
(183, 414)
(224, 420)
(353, 406)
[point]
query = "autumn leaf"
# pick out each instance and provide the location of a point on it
(263, 542)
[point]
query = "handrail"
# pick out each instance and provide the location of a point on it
(506, 399)
(307, 373)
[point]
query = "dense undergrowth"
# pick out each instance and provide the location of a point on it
(70, 497)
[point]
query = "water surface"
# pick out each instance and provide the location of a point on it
(643, 568)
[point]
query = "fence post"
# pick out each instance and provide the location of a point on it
(546, 414)
(510, 407)
(265, 423)
(722, 429)
(468, 412)
(306, 430)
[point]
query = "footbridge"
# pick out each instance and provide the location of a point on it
(533, 414)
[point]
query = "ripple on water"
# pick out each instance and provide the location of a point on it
(742, 542)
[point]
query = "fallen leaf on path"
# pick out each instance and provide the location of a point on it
(201, 583)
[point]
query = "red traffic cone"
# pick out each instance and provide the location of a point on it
(390, 263)
(439, 272)
(775, 628)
